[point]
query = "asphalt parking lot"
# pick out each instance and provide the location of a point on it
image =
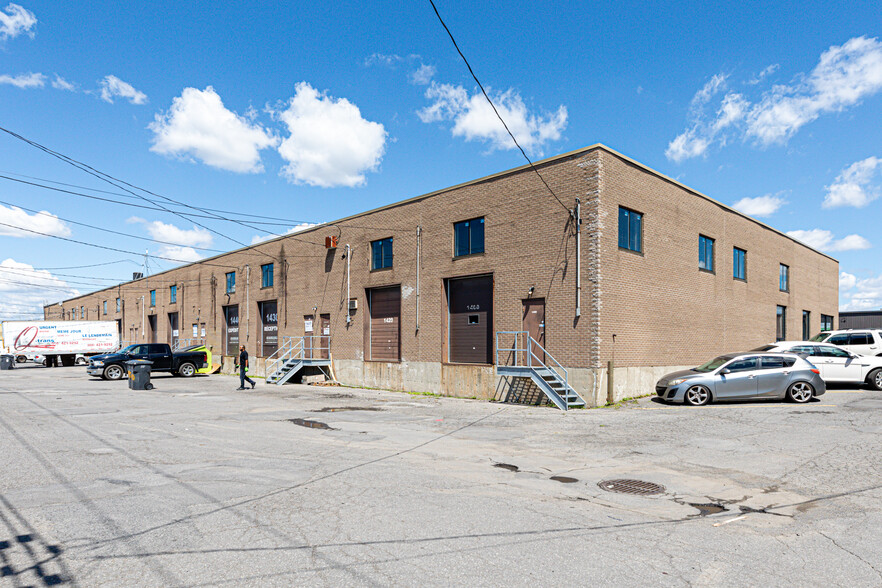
(196, 484)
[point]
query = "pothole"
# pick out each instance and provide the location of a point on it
(348, 408)
(507, 466)
(709, 508)
(626, 486)
(564, 479)
(311, 424)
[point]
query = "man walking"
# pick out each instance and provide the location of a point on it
(243, 367)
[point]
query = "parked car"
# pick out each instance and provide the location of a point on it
(836, 364)
(744, 376)
(862, 342)
(112, 366)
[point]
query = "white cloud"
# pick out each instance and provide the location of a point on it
(761, 205)
(473, 118)
(764, 74)
(295, 229)
(330, 144)
(387, 60)
(843, 77)
(852, 186)
(178, 254)
(42, 222)
(199, 125)
(422, 75)
(23, 81)
(15, 20)
(113, 87)
(59, 83)
(24, 290)
(863, 294)
(180, 242)
(824, 240)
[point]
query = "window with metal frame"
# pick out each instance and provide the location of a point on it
(781, 323)
(118, 304)
(266, 275)
(231, 283)
(152, 297)
(705, 253)
(630, 229)
(826, 322)
(381, 254)
(468, 237)
(806, 325)
(739, 264)
(784, 278)
(105, 307)
(173, 294)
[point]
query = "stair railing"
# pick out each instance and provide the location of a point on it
(526, 357)
(292, 348)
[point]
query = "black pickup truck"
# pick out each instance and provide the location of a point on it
(112, 366)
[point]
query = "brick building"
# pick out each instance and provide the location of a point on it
(411, 296)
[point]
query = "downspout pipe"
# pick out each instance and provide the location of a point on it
(578, 219)
(348, 298)
(419, 237)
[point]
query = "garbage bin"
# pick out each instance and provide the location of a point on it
(7, 362)
(139, 374)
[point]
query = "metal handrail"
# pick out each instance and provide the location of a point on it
(180, 343)
(530, 356)
(298, 348)
(289, 347)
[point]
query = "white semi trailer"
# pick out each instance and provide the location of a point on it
(67, 339)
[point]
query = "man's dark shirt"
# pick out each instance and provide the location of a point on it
(243, 359)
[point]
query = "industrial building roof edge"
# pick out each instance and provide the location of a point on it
(525, 167)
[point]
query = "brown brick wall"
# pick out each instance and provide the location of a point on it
(661, 308)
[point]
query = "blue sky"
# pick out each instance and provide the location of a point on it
(312, 111)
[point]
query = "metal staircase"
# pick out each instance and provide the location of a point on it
(526, 358)
(295, 354)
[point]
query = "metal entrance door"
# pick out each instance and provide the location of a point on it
(151, 324)
(231, 330)
(173, 329)
(533, 322)
(325, 339)
(269, 340)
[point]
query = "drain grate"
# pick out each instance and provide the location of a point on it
(638, 487)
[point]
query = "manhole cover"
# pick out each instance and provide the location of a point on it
(639, 487)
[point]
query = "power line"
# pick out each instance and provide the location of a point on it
(493, 106)
(90, 265)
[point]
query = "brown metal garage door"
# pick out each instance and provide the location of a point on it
(470, 322)
(385, 309)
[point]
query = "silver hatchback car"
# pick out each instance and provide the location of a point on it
(744, 376)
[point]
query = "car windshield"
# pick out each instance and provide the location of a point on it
(712, 364)
(128, 349)
(820, 337)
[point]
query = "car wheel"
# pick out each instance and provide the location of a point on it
(875, 379)
(113, 372)
(81, 361)
(800, 392)
(21, 358)
(697, 396)
(187, 370)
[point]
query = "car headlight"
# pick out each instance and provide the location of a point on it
(677, 381)
(98, 363)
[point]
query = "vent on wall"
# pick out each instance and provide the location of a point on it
(137, 275)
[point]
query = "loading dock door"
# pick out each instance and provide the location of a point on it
(470, 320)
(231, 328)
(385, 308)
(325, 339)
(269, 328)
(151, 323)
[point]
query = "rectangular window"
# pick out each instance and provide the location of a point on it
(781, 322)
(152, 297)
(630, 230)
(705, 253)
(826, 322)
(468, 237)
(118, 304)
(381, 254)
(784, 278)
(231, 282)
(806, 325)
(266, 275)
(83, 312)
(173, 293)
(739, 264)
(105, 307)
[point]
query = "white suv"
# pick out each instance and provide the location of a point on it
(862, 342)
(836, 364)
